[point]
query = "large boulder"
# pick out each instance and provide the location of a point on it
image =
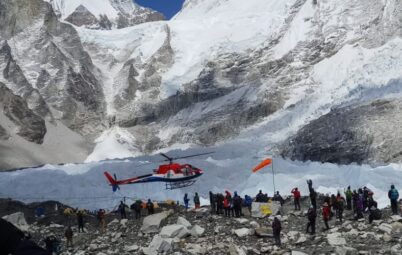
(335, 239)
(263, 232)
(152, 222)
(387, 228)
(242, 232)
(261, 210)
(18, 220)
(172, 231)
(197, 231)
(184, 222)
(158, 245)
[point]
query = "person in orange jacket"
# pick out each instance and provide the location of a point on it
(326, 211)
(296, 195)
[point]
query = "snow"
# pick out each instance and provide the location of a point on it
(204, 29)
(113, 143)
(96, 7)
(83, 185)
(110, 50)
(298, 32)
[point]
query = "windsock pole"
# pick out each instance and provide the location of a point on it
(273, 175)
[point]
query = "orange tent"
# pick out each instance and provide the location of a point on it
(264, 163)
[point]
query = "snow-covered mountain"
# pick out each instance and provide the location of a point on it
(291, 77)
(103, 14)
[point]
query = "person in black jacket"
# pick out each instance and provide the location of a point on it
(237, 203)
(276, 230)
(311, 216)
(212, 201)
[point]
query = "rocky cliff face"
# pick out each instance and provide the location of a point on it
(104, 14)
(28, 125)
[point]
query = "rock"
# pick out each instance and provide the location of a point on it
(158, 245)
(18, 220)
(242, 220)
(217, 229)
(263, 232)
(184, 222)
(152, 222)
(386, 237)
(335, 239)
(343, 250)
(172, 231)
(131, 248)
(396, 218)
(113, 222)
(197, 231)
(353, 232)
(56, 226)
(301, 239)
(387, 228)
(261, 210)
(242, 232)
(298, 253)
(235, 250)
(396, 226)
(254, 224)
(123, 222)
(195, 249)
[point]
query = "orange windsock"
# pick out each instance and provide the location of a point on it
(264, 163)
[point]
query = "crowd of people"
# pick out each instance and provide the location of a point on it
(359, 202)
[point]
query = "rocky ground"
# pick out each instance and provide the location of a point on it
(172, 230)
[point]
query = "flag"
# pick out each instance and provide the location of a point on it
(264, 163)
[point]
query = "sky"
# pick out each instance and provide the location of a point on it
(168, 7)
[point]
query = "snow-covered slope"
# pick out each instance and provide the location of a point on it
(219, 71)
(103, 14)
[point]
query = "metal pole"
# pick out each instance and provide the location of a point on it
(273, 175)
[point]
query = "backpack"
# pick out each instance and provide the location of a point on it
(394, 194)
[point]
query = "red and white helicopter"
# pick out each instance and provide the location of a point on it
(173, 174)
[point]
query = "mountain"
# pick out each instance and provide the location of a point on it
(302, 80)
(103, 14)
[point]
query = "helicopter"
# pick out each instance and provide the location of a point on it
(173, 174)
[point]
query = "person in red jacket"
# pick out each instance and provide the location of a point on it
(326, 211)
(296, 195)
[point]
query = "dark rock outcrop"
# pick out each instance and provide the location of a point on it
(362, 133)
(82, 17)
(30, 126)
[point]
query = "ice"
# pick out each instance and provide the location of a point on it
(83, 185)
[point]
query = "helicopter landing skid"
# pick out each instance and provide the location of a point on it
(178, 185)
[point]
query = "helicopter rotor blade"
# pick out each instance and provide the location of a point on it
(166, 156)
(195, 155)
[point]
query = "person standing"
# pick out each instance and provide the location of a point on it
(122, 210)
(348, 195)
(326, 211)
(279, 198)
(150, 207)
(296, 195)
(311, 216)
(186, 200)
(80, 221)
(219, 203)
(212, 201)
(276, 230)
(237, 204)
(197, 201)
(69, 236)
(393, 196)
(101, 219)
(340, 201)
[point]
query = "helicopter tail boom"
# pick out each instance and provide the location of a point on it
(113, 182)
